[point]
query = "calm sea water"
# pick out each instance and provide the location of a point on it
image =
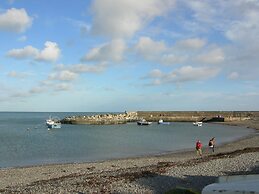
(25, 140)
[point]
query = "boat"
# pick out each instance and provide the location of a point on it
(197, 123)
(143, 122)
(163, 123)
(238, 184)
(53, 123)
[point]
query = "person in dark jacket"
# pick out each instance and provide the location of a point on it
(212, 144)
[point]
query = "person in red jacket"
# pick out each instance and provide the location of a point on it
(199, 148)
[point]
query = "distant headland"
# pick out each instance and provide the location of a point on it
(170, 116)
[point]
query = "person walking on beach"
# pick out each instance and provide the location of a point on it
(212, 144)
(199, 148)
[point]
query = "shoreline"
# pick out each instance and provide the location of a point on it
(131, 172)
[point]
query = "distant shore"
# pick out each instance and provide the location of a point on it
(150, 174)
(253, 124)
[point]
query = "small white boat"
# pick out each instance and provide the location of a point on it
(53, 123)
(199, 124)
(143, 122)
(163, 123)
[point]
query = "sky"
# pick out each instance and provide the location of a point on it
(117, 55)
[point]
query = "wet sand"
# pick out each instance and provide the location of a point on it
(151, 174)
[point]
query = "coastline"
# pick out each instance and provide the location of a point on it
(147, 174)
(253, 124)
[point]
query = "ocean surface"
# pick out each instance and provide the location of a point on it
(25, 139)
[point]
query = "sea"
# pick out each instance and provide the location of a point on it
(26, 141)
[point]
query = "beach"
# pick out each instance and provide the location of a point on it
(149, 174)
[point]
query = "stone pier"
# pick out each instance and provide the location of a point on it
(167, 116)
(102, 119)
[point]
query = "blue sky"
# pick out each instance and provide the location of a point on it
(117, 55)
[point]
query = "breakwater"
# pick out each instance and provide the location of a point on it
(205, 116)
(169, 116)
(102, 119)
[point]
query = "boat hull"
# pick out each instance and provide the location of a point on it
(144, 123)
(54, 126)
(199, 124)
(164, 123)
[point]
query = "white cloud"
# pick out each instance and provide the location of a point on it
(192, 43)
(235, 24)
(189, 73)
(149, 48)
(83, 68)
(50, 85)
(15, 20)
(46, 83)
(83, 27)
(116, 18)
(246, 29)
(64, 75)
(233, 75)
(26, 52)
(19, 95)
(171, 59)
(11, 1)
(203, 11)
(109, 89)
(37, 90)
(214, 56)
(51, 52)
(243, 59)
(15, 74)
(182, 52)
(22, 38)
(183, 74)
(244, 36)
(155, 73)
(112, 51)
(62, 87)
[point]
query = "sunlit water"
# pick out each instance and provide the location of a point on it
(25, 140)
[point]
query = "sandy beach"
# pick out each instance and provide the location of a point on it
(152, 174)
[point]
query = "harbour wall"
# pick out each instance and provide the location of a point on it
(167, 116)
(205, 116)
(102, 119)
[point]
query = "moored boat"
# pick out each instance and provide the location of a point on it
(53, 123)
(162, 122)
(143, 122)
(199, 124)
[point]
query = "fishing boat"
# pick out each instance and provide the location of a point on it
(143, 122)
(199, 124)
(163, 123)
(53, 123)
